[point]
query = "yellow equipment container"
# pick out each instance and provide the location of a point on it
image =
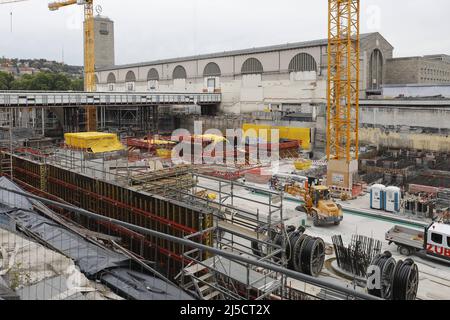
(212, 196)
(95, 142)
(303, 135)
(302, 164)
(164, 153)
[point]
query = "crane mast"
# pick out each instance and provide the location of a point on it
(343, 92)
(89, 54)
(89, 63)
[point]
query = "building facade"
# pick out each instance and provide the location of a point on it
(434, 69)
(252, 80)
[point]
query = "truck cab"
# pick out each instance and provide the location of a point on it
(437, 240)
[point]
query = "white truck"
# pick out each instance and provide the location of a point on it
(433, 242)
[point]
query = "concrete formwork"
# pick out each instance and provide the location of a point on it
(110, 200)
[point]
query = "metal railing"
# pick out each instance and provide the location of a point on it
(19, 99)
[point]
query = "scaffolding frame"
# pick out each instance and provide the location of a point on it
(236, 229)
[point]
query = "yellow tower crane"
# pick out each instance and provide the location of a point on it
(343, 92)
(89, 53)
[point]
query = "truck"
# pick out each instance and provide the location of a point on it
(433, 242)
(318, 202)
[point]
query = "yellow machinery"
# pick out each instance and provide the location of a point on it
(164, 153)
(318, 203)
(89, 54)
(94, 142)
(206, 195)
(302, 164)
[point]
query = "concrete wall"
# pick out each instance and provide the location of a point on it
(417, 70)
(377, 136)
(414, 91)
(389, 116)
(404, 70)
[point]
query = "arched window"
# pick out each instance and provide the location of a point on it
(96, 79)
(130, 81)
(153, 75)
(376, 70)
(179, 73)
(252, 66)
(130, 77)
(111, 80)
(152, 79)
(303, 62)
(212, 70)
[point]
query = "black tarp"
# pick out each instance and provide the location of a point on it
(139, 286)
(94, 261)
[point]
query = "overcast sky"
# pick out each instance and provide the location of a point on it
(155, 29)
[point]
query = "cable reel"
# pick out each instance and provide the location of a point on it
(399, 280)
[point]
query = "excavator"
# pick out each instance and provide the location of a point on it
(318, 203)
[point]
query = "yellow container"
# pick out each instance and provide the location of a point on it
(212, 196)
(303, 135)
(164, 153)
(302, 164)
(95, 142)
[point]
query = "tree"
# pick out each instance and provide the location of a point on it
(78, 85)
(6, 80)
(47, 81)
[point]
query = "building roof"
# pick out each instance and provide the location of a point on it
(288, 46)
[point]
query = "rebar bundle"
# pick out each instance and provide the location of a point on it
(357, 257)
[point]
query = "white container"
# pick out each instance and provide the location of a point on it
(392, 197)
(376, 196)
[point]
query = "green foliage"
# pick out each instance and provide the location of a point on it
(47, 81)
(5, 81)
(78, 85)
(18, 277)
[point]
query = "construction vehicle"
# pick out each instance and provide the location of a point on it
(433, 242)
(318, 203)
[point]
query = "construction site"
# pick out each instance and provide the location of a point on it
(288, 172)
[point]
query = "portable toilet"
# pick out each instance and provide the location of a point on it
(376, 196)
(392, 197)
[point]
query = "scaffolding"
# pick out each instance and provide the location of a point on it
(238, 225)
